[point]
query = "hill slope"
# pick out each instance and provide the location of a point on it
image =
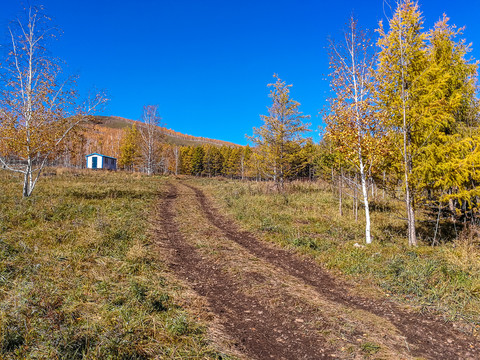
(172, 137)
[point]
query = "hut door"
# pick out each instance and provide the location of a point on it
(94, 162)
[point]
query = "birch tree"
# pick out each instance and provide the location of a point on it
(176, 154)
(351, 122)
(38, 109)
(150, 135)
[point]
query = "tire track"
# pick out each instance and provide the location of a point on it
(425, 335)
(256, 335)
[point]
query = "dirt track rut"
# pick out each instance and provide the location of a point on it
(318, 319)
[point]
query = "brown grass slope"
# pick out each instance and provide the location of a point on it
(172, 136)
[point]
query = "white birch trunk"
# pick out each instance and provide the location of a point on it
(361, 165)
(368, 237)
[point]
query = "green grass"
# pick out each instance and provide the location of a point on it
(80, 277)
(444, 278)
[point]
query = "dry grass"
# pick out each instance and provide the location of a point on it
(79, 277)
(444, 278)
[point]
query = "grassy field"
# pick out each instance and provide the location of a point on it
(79, 275)
(445, 278)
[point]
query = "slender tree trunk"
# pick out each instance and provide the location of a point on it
(384, 184)
(149, 160)
(333, 182)
(409, 196)
(243, 167)
(176, 159)
(409, 199)
(368, 238)
(355, 198)
(412, 236)
(340, 208)
(26, 182)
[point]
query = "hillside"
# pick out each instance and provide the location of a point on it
(172, 136)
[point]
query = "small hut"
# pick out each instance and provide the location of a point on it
(99, 161)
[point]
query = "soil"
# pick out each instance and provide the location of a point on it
(280, 305)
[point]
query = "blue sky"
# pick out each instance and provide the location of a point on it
(207, 63)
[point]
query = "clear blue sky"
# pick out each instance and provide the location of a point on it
(206, 63)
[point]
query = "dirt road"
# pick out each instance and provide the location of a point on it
(272, 303)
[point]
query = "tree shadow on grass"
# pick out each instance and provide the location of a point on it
(391, 232)
(380, 206)
(447, 231)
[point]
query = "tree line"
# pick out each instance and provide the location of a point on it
(236, 162)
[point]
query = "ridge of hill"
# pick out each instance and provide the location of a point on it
(172, 136)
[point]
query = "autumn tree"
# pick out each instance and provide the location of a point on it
(217, 162)
(38, 110)
(197, 160)
(305, 161)
(402, 62)
(278, 138)
(213, 160)
(129, 147)
(150, 136)
(245, 156)
(186, 155)
(351, 121)
(427, 93)
(176, 155)
(447, 162)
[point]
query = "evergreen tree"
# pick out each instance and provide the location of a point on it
(197, 160)
(218, 160)
(280, 135)
(208, 159)
(129, 148)
(402, 63)
(245, 161)
(447, 162)
(226, 152)
(186, 154)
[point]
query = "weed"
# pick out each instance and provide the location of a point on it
(370, 348)
(179, 325)
(139, 291)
